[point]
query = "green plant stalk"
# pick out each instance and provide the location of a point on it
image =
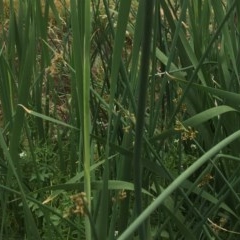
(78, 25)
(86, 111)
(145, 59)
(119, 38)
(153, 85)
(41, 27)
(177, 183)
(6, 89)
(81, 24)
(137, 40)
(125, 175)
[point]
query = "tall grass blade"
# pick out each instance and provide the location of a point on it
(81, 24)
(143, 83)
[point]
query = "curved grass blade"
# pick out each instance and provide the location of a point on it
(96, 185)
(177, 183)
(44, 117)
(230, 97)
(197, 120)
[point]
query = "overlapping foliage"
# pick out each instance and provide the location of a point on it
(119, 119)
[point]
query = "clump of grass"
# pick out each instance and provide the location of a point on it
(69, 89)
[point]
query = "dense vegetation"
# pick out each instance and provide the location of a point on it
(119, 119)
